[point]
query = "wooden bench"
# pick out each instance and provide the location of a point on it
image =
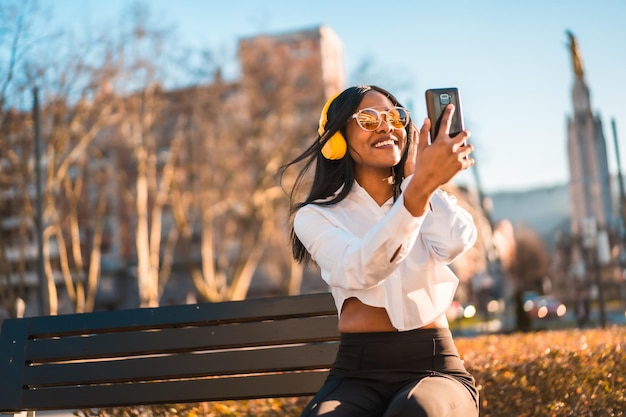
(257, 348)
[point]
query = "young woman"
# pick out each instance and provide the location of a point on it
(382, 233)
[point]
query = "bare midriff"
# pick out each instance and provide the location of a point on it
(357, 317)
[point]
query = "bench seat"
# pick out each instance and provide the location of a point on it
(256, 348)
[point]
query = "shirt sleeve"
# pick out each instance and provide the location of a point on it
(449, 230)
(351, 262)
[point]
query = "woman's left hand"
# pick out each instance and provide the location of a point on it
(409, 166)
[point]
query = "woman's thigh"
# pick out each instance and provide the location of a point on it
(345, 398)
(434, 396)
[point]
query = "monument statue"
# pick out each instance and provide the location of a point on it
(576, 59)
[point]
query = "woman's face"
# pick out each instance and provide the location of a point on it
(378, 149)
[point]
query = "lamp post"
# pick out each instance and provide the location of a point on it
(621, 216)
(44, 301)
(596, 247)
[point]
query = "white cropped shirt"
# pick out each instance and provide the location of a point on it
(354, 242)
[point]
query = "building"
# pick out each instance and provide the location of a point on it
(593, 220)
(310, 62)
(590, 180)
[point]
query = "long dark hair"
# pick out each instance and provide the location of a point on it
(331, 176)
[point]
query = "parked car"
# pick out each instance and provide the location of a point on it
(544, 307)
(458, 311)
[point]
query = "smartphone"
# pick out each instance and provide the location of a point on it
(436, 101)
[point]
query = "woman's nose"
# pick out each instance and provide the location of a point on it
(384, 126)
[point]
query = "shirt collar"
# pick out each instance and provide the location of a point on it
(359, 193)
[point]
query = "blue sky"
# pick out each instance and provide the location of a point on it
(508, 58)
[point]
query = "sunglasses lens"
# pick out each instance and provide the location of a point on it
(368, 119)
(398, 117)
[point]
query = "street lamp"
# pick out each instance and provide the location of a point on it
(44, 300)
(596, 245)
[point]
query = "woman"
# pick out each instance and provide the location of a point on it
(382, 232)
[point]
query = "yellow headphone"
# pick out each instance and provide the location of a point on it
(335, 147)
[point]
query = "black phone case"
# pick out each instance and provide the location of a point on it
(436, 102)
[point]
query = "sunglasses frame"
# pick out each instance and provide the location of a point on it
(380, 117)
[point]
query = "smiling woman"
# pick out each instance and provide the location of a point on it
(383, 233)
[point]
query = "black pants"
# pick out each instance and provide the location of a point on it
(415, 373)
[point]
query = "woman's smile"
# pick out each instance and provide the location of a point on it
(388, 142)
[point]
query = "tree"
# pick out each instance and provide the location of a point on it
(234, 203)
(29, 64)
(139, 82)
(531, 263)
(180, 171)
(14, 18)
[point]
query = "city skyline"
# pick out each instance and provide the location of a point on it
(510, 61)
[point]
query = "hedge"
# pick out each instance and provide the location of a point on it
(547, 373)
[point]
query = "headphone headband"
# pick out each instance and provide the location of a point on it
(324, 115)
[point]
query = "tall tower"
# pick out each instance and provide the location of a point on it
(590, 183)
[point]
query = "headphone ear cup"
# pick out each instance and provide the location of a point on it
(335, 148)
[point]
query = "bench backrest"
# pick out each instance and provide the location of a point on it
(257, 348)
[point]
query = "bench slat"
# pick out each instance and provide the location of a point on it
(239, 362)
(183, 315)
(171, 392)
(309, 329)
